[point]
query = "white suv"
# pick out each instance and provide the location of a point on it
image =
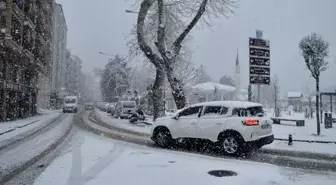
(235, 126)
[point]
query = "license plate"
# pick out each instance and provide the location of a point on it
(266, 126)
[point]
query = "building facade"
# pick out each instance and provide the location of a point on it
(59, 55)
(73, 75)
(25, 55)
(59, 49)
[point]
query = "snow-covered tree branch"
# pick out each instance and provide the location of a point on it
(314, 51)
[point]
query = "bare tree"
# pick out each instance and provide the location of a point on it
(202, 76)
(314, 51)
(164, 56)
(227, 80)
(275, 95)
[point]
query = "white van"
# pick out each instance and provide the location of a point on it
(70, 104)
(123, 108)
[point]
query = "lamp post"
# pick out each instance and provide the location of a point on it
(131, 11)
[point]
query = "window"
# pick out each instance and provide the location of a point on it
(255, 111)
(212, 110)
(239, 112)
(192, 111)
(224, 110)
(248, 112)
(70, 100)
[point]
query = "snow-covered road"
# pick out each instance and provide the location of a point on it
(93, 160)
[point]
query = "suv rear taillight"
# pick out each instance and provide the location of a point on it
(251, 122)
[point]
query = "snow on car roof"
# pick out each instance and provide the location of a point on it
(71, 97)
(240, 104)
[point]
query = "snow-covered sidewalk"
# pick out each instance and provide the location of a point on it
(308, 132)
(13, 128)
(19, 155)
(95, 160)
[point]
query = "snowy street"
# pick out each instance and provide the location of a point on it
(87, 158)
(97, 160)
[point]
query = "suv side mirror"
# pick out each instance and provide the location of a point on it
(175, 117)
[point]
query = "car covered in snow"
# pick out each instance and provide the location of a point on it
(123, 109)
(234, 126)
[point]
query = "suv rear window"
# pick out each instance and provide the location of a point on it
(248, 112)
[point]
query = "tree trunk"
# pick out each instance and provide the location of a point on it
(317, 106)
(177, 89)
(157, 94)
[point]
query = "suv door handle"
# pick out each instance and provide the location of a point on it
(193, 123)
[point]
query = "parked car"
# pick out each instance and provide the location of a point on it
(111, 108)
(234, 126)
(70, 104)
(124, 108)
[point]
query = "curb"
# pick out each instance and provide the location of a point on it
(286, 161)
(307, 141)
(33, 160)
(21, 126)
(299, 154)
(7, 131)
(28, 124)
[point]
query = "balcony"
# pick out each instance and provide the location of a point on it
(2, 27)
(18, 3)
(18, 9)
(30, 10)
(16, 32)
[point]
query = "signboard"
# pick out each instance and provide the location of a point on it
(259, 43)
(260, 80)
(259, 61)
(259, 52)
(260, 70)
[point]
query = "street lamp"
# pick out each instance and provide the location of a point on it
(131, 11)
(102, 53)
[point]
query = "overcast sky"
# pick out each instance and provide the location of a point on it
(102, 25)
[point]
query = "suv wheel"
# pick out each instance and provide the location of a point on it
(163, 138)
(231, 145)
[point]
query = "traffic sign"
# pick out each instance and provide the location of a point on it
(259, 52)
(260, 70)
(259, 34)
(259, 61)
(265, 80)
(259, 43)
